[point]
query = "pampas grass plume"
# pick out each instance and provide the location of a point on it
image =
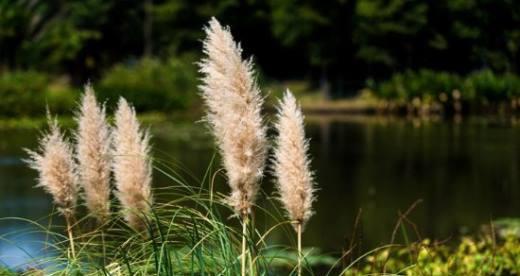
(291, 163)
(132, 165)
(234, 115)
(56, 169)
(93, 155)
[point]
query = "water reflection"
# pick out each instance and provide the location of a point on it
(22, 246)
(464, 170)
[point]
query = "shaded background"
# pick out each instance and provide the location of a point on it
(338, 45)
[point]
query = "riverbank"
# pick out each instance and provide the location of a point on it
(37, 122)
(326, 112)
(420, 93)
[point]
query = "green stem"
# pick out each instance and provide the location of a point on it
(244, 241)
(71, 239)
(299, 233)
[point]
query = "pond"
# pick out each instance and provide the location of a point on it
(460, 173)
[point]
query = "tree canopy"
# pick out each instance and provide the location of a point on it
(341, 42)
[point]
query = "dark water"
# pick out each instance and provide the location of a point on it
(465, 172)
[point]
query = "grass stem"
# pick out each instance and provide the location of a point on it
(71, 239)
(103, 245)
(299, 233)
(245, 220)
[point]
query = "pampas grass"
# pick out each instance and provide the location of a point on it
(93, 155)
(234, 114)
(234, 106)
(55, 165)
(132, 166)
(56, 169)
(291, 166)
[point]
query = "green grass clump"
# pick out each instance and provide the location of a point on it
(191, 232)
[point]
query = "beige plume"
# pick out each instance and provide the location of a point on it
(93, 155)
(295, 182)
(234, 107)
(54, 162)
(132, 165)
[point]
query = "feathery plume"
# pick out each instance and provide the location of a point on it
(93, 154)
(291, 166)
(291, 163)
(56, 168)
(132, 165)
(234, 106)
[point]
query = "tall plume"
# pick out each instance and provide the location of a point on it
(234, 107)
(54, 162)
(132, 165)
(93, 155)
(291, 163)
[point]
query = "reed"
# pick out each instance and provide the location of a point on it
(234, 103)
(93, 155)
(295, 183)
(132, 166)
(56, 169)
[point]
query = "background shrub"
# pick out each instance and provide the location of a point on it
(492, 87)
(427, 84)
(27, 93)
(152, 84)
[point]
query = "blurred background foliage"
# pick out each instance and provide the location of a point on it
(146, 49)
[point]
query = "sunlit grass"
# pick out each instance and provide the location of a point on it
(192, 233)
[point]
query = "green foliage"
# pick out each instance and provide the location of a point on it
(151, 84)
(471, 256)
(493, 87)
(382, 23)
(46, 34)
(7, 272)
(424, 83)
(507, 227)
(341, 42)
(477, 87)
(28, 93)
(294, 22)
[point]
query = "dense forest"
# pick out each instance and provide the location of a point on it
(338, 42)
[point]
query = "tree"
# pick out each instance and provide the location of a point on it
(46, 34)
(321, 31)
(389, 34)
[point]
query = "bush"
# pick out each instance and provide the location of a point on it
(492, 87)
(427, 84)
(27, 93)
(151, 84)
(408, 85)
(471, 256)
